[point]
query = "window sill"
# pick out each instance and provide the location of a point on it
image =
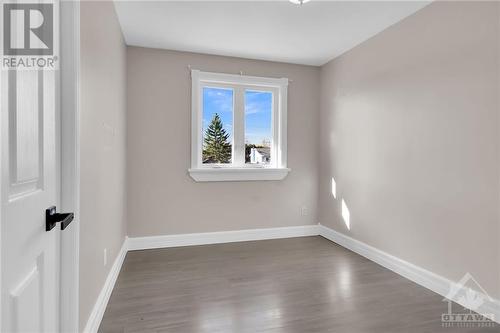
(237, 174)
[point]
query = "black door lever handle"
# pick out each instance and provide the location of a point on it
(52, 218)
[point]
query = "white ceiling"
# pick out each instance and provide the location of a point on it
(311, 34)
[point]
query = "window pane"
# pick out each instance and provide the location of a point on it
(217, 125)
(258, 126)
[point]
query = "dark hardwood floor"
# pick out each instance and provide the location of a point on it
(294, 285)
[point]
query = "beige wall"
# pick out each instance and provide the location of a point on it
(103, 110)
(162, 198)
(410, 130)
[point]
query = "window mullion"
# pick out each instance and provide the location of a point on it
(239, 127)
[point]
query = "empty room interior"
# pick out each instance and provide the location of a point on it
(258, 166)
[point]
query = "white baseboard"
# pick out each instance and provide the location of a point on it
(155, 242)
(419, 275)
(97, 313)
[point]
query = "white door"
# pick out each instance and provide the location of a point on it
(30, 184)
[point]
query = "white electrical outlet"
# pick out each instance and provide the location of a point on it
(105, 259)
(303, 211)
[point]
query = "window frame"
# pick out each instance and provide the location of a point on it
(238, 170)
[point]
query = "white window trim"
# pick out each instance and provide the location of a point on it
(239, 172)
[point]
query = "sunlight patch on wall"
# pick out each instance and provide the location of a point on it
(334, 188)
(346, 216)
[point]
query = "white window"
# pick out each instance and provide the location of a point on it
(238, 127)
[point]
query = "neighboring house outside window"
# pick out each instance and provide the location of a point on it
(238, 127)
(260, 155)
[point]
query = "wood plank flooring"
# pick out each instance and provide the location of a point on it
(294, 285)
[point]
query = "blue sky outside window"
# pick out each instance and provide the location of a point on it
(258, 117)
